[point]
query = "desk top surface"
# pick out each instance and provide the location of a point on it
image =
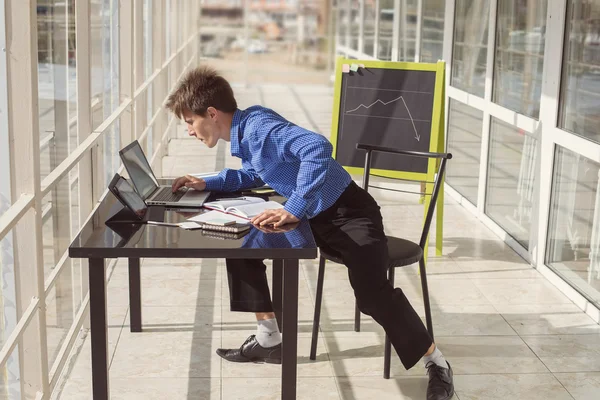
(98, 239)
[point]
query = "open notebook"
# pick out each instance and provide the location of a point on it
(243, 207)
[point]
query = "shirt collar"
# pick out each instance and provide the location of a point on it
(235, 136)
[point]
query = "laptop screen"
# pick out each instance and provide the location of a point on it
(139, 169)
(131, 198)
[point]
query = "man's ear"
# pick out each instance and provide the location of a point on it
(212, 112)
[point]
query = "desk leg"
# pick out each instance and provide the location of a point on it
(135, 296)
(277, 291)
(290, 337)
(99, 330)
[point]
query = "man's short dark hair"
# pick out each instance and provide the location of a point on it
(199, 89)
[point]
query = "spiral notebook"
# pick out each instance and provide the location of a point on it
(234, 229)
(224, 235)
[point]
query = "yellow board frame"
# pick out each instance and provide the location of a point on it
(437, 137)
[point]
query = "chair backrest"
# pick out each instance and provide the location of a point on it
(436, 184)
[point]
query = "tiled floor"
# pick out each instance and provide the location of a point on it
(508, 332)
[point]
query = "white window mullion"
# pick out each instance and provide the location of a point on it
(376, 32)
(419, 31)
(549, 108)
(396, 31)
(447, 55)
(487, 121)
(361, 26)
(23, 120)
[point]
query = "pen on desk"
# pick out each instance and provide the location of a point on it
(162, 223)
(231, 198)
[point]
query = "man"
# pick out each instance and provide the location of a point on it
(345, 220)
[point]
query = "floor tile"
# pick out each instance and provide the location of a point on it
(148, 389)
(362, 355)
(270, 388)
(520, 291)
(168, 292)
(404, 388)
(551, 319)
(567, 353)
(502, 269)
(167, 355)
(203, 321)
(489, 355)
(581, 385)
(466, 320)
(513, 387)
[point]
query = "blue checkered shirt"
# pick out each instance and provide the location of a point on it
(295, 162)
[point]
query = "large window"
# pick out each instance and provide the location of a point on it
(47, 159)
(464, 142)
(520, 37)
(580, 95)
(511, 178)
(469, 58)
(573, 245)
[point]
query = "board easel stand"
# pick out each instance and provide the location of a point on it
(437, 134)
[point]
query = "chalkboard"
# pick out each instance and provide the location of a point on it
(384, 106)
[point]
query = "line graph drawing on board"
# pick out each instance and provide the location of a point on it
(385, 103)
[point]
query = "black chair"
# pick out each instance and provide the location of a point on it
(402, 252)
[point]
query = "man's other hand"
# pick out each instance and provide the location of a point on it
(189, 182)
(276, 218)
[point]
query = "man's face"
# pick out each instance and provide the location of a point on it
(203, 128)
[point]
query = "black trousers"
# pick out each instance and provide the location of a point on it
(353, 229)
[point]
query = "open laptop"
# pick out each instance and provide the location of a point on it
(146, 184)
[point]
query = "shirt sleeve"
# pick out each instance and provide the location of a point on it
(233, 180)
(293, 143)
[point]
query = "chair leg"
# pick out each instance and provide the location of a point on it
(356, 317)
(426, 297)
(317, 316)
(387, 356)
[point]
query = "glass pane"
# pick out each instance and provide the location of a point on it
(8, 310)
(56, 78)
(580, 95)
(60, 310)
(573, 243)
(56, 222)
(147, 38)
(354, 24)
(432, 30)
(386, 29)
(511, 178)
(470, 45)
(104, 30)
(520, 55)
(10, 384)
(343, 22)
(464, 142)
(369, 27)
(408, 30)
(6, 199)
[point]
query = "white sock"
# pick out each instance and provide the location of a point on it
(267, 333)
(436, 357)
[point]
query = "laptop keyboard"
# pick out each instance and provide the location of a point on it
(165, 194)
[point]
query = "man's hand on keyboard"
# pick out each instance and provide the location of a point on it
(188, 181)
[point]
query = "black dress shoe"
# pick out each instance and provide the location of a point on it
(251, 351)
(441, 384)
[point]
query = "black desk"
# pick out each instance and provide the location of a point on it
(98, 240)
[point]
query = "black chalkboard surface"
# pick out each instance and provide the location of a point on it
(386, 107)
